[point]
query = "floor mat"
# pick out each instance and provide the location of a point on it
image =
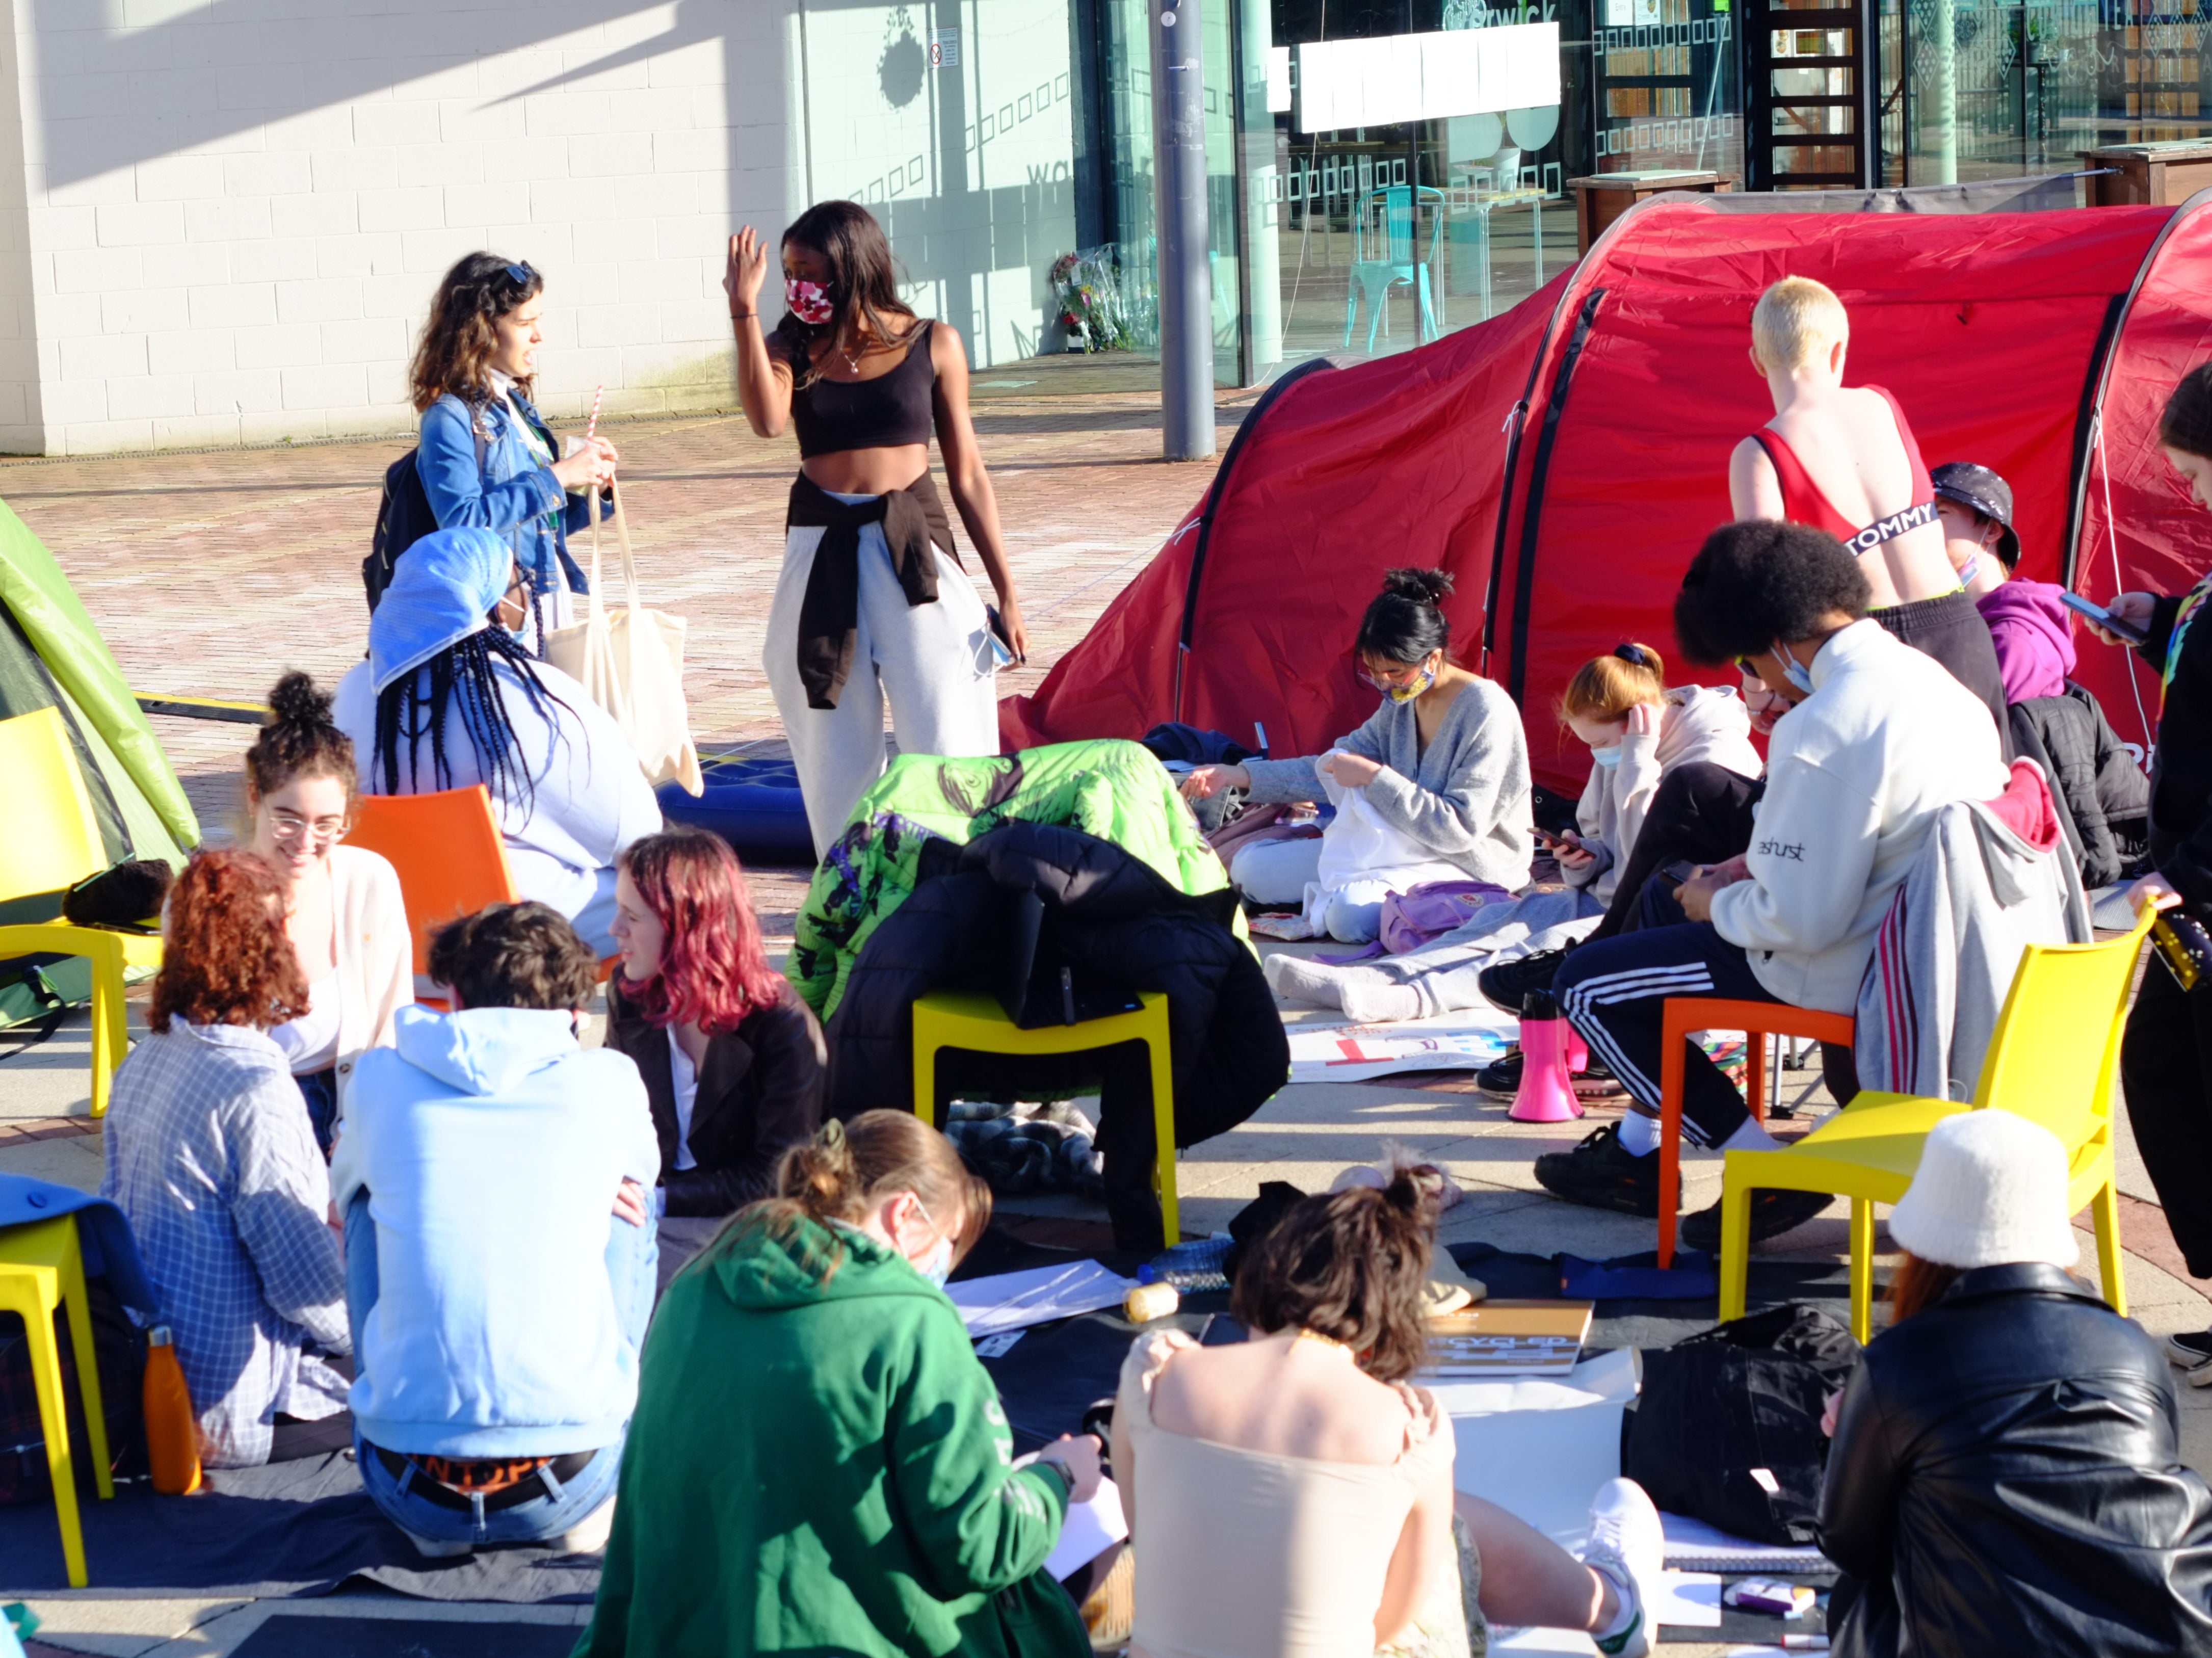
(287, 1635)
(303, 1527)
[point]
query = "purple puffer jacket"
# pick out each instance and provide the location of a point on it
(2034, 636)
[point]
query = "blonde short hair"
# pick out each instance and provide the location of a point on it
(1795, 323)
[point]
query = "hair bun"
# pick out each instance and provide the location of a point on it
(1424, 587)
(295, 702)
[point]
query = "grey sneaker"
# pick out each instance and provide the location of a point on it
(1627, 1547)
(2189, 1349)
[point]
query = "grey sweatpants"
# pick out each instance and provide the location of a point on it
(932, 662)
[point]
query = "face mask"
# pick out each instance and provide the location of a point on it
(809, 301)
(1800, 678)
(937, 1265)
(1407, 692)
(1607, 757)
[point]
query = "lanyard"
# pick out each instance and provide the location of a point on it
(2182, 620)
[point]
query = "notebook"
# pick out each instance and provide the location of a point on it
(1508, 1338)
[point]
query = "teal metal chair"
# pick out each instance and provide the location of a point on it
(1385, 233)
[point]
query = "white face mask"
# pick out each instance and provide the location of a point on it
(937, 1265)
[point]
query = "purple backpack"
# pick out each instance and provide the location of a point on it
(1427, 912)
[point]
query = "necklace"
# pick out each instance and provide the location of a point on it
(1301, 1333)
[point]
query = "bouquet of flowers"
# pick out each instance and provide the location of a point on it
(1087, 288)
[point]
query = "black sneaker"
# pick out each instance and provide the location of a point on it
(1508, 984)
(1772, 1213)
(1601, 1174)
(1501, 1077)
(2191, 1348)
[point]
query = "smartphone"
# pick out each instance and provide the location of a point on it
(1555, 844)
(1002, 644)
(1679, 870)
(2104, 618)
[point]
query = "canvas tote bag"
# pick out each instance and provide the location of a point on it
(631, 661)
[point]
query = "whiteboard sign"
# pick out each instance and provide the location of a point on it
(1386, 79)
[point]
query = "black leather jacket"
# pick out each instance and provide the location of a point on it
(2005, 1479)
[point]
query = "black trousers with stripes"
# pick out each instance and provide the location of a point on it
(1613, 991)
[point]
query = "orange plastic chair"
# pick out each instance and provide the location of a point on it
(1758, 1021)
(447, 851)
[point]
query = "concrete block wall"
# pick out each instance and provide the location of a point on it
(221, 220)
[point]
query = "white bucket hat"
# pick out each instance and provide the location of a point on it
(1990, 1191)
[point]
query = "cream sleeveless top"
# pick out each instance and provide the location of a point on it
(1240, 1554)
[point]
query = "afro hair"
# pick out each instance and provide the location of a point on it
(1759, 581)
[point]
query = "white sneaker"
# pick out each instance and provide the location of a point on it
(589, 1535)
(434, 1551)
(1628, 1547)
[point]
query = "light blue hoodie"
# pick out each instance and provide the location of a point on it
(491, 1146)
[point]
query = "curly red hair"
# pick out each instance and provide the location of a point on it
(225, 958)
(714, 970)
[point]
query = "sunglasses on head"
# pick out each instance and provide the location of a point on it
(523, 275)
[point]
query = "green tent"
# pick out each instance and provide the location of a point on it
(52, 657)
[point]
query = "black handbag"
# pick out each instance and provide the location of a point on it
(127, 898)
(1728, 1428)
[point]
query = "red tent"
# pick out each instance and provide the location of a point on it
(1563, 460)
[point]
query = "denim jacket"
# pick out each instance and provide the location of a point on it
(508, 492)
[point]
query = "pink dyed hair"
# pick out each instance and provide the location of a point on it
(713, 969)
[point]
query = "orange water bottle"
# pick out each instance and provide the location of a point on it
(173, 1432)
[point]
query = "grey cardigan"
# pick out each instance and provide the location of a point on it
(1466, 799)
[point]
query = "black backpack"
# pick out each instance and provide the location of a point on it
(1728, 1428)
(403, 517)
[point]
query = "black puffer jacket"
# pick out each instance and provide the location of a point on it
(2005, 1479)
(2103, 793)
(1114, 920)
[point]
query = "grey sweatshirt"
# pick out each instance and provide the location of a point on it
(1466, 799)
(1947, 950)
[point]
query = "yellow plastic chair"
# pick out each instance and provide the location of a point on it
(41, 1270)
(966, 1019)
(2051, 1059)
(50, 841)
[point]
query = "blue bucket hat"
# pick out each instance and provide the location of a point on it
(442, 591)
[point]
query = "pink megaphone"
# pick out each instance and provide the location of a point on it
(1547, 1094)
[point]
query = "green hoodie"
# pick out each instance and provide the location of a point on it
(819, 1465)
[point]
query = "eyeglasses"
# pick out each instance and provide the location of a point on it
(289, 827)
(1396, 677)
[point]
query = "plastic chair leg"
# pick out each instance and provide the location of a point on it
(1350, 307)
(1428, 315)
(78, 1304)
(924, 1079)
(1378, 306)
(2105, 1208)
(110, 1029)
(53, 1422)
(1736, 1248)
(1163, 1138)
(1862, 1270)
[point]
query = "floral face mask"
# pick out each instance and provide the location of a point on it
(809, 301)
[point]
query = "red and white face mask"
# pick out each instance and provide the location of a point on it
(809, 301)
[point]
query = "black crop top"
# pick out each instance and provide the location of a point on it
(872, 413)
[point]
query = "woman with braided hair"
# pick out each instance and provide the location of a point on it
(450, 698)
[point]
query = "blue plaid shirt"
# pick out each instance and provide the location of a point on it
(211, 1156)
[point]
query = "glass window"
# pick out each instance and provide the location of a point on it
(953, 123)
(1986, 90)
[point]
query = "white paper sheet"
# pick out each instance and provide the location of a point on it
(1689, 1599)
(1352, 1053)
(1091, 1528)
(1014, 1300)
(1539, 1448)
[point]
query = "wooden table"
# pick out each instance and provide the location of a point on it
(2148, 175)
(1604, 197)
